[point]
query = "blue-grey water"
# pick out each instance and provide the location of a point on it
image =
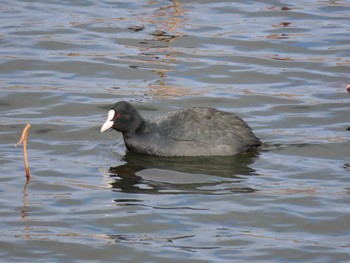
(281, 65)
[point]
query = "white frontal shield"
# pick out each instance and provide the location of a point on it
(109, 123)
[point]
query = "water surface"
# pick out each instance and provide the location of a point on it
(281, 66)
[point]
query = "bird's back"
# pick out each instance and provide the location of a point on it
(194, 132)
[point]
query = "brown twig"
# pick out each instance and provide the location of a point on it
(23, 141)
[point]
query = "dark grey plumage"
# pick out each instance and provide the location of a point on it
(195, 131)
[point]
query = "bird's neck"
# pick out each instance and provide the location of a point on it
(139, 128)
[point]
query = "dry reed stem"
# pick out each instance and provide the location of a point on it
(23, 141)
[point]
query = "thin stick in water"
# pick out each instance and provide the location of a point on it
(23, 141)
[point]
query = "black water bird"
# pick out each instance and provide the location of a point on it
(196, 131)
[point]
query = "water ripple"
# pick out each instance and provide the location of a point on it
(282, 66)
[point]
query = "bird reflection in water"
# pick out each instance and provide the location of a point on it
(177, 175)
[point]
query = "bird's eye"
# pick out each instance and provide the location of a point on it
(118, 115)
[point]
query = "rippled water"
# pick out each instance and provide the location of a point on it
(282, 66)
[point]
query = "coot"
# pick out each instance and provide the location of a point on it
(194, 131)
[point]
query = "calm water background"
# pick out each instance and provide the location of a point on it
(283, 66)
